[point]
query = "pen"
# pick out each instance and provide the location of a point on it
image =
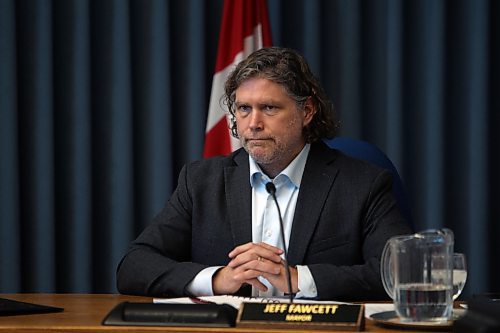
(197, 300)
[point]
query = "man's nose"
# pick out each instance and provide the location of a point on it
(255, 119)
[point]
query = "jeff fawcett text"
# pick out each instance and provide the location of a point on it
(301, 312)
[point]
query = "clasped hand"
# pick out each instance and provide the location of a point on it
(248, 262)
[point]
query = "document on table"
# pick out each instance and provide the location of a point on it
(235, 301)
(371, 308)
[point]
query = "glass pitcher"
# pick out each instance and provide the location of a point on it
(417, 273)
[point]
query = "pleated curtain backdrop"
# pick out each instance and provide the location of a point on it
(103, 101)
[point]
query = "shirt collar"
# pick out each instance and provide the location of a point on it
(293, 171)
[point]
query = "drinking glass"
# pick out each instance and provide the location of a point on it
(459, 274)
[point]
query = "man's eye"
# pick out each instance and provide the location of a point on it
(270, 109)
(244, 108)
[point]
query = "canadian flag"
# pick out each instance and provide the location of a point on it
(244, 29)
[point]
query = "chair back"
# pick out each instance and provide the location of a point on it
(370, 153)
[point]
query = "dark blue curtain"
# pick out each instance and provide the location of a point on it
(102, 102)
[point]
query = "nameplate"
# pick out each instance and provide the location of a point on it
(310, 316)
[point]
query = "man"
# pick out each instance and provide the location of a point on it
(220, 230)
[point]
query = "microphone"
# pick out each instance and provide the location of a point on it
(271, 189)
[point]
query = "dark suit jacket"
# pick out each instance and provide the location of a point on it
(345, 212)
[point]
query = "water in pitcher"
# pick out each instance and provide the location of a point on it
(422, 301)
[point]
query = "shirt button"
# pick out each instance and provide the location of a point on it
(269, 233)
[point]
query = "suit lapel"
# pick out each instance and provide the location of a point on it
(319, 175)
(238, 198)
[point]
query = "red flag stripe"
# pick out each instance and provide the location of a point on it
(244, 29)
(239, 19)
(217, 139)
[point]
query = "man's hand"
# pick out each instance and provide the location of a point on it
(249, 261)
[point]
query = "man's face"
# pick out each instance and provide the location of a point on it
(270, 124)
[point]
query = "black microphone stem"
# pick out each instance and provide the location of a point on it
(271, 189)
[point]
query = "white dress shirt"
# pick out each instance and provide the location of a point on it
(287, 185)
(268, 230)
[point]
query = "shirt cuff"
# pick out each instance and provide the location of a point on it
(201, 285)
(306, 284)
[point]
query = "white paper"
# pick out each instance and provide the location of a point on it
(371, 308)
(236, 301)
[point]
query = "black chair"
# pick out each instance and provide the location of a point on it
(370, 153)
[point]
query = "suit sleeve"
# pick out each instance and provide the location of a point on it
(158, 261)
(380, 219)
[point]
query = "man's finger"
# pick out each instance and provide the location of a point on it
(260, 248)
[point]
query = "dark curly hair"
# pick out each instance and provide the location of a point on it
(289, 69)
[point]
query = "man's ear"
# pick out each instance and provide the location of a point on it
(309, 110)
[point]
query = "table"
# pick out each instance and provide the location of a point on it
(85, 312)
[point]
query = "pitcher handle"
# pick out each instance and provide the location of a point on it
(386, 270)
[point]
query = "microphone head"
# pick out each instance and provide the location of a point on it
(270, 188)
